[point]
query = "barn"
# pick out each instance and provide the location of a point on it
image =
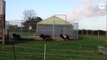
(54, 26)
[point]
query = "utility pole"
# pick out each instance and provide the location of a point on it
(103, 5)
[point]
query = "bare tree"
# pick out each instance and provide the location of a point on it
(31, 19)
(29, 14)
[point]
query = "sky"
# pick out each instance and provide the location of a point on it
(90, 14)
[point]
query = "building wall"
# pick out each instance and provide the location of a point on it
(2, 19)
(56, 30)
(1, 7)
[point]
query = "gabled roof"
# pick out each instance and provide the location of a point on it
(54, 20)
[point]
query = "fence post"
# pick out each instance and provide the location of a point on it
(98, 35)
(44, 51)
(13, 48)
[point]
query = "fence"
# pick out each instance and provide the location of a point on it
(55, 31)
(24, 28)
(82, 49)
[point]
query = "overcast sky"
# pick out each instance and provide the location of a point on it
(90, 14)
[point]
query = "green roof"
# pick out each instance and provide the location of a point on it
(54, 20)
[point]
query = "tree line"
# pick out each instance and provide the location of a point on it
(92, 32)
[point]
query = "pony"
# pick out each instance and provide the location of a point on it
(46, 37)
(64, 36)
(16, 37)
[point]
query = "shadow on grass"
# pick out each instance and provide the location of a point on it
(22, 40)
(25, 40)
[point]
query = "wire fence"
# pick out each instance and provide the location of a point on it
(24, 28)
(51, 51)
(84, 48)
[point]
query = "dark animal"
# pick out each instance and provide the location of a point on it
(64, 36)
(46, 37)
(16, 37)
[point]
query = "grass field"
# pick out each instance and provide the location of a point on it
(84, 48)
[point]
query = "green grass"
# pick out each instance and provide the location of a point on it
(84, 48)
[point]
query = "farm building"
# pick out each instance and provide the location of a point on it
(54, 26)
